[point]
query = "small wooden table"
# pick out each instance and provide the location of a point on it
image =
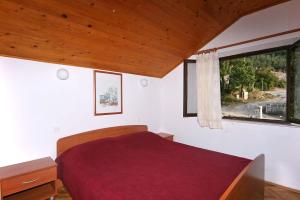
(33, 180)
(166, 136)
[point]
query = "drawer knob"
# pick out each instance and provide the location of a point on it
(30, 181)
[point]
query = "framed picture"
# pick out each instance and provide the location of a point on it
(108, 93)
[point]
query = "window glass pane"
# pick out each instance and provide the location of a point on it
(254, 86)
(297, 84)
(191, 88)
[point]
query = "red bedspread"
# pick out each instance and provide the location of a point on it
(143, 166)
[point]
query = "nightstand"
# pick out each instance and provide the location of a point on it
(166, 136)
(33, 180)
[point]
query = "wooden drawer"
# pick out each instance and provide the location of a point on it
(23, 182)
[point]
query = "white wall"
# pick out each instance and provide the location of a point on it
(36, 108)
(282, 17)
(280, 144)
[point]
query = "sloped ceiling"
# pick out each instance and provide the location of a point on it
(146, 37)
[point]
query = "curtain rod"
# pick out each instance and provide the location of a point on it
(249, 41)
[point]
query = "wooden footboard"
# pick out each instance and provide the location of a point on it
(249, 185)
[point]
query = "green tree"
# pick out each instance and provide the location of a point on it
(252, 71)
(225, 68)
(266, 79)
(242, 75)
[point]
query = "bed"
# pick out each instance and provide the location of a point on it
(130, 163)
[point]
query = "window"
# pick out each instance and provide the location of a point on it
(261, 86)
(254, 86)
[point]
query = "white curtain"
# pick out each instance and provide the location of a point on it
(208, 90)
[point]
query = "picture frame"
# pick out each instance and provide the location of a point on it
(108, 93)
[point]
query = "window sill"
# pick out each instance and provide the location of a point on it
(253, 121)
(261, 122)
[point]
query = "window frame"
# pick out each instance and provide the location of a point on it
(290, 86)
(185, 88)
(289, 91)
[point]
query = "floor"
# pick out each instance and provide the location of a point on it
(272, 192)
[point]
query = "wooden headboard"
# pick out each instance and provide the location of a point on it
(66, 143)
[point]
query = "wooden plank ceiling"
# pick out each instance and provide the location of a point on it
(146, 37)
